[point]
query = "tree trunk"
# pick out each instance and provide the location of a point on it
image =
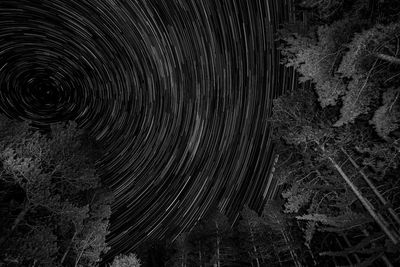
(378, 219)
(68, 248)
(277, 254)
(20, 217)
(218, 261)
(254, 246)
(292, 253)
(345, 256)
(218, 242)
(200, 259)
(17, 221)
(346, 240)
(83, 249)
(371, 185)
(384, 258)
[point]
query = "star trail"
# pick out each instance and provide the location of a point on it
(178, 94)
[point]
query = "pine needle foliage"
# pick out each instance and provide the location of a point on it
(387, 117)
(317, 57)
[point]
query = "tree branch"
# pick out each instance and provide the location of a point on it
(390, 59)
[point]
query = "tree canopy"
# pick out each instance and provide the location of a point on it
(54, 211)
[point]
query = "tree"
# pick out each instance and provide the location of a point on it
(54, 196)
(129, 260)
(282, 238)
(220, 230)
(183, 248)
(210, 242)
(252, 229)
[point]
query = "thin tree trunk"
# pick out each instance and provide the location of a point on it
(68, 248)
(83, 249)
(383, 225)
(251, 262)
(384, 258)
(371, 185)
(270, 179)
(354, 249)
(254, 247)
(386, 261)
(388, 58)
(79, 258)
(346, 256)
(218, 242)
(200, 260)
(312, 254)
(20, 217)
(292, 253)
(277, 254)
(349, 245)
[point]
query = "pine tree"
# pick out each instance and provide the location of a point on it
(199, 237)
(183, 249)
(52, 189)
(251, 229)
(219, 226)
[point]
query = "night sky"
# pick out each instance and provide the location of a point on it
(178, 93)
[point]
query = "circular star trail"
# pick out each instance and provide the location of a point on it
(177, 92)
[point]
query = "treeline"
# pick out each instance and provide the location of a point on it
(255, 240)
(259, 240)
(338, 132)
